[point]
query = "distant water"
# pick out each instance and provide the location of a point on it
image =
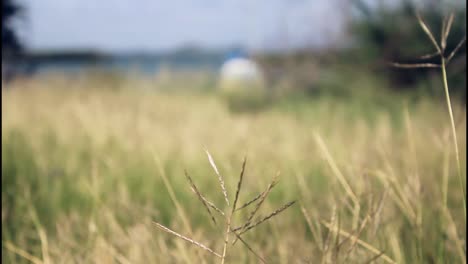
(140, 65)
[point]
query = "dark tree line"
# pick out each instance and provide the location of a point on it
(12, 46)
(10, 39)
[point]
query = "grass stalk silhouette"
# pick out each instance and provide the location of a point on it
(444, 61)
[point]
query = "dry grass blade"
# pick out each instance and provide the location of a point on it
(226, 238)
(229, 218)
(22, 253)
(257, 207)
(259, 204)
(396, 192)
(337, 248)
(359, 241)
(266, 218)
(212, 205)
(239, 185)
(198, 244)
(250, 202)
(254, 199)
(428, 33)
(249, 248)
(453, 233)
(429, 56)
(171, 192)
(454, 132)
(358, 233)
(376, 214)
(200, 197)
(415, 65)
(446, 26)
(455, 50)
(314, 232)
(326, 244)
(335, 169)
(220, 178)
(442, 31)
(374, 258)
(42, 236)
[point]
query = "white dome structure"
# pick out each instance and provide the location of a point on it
(240, 69)
(240, 72)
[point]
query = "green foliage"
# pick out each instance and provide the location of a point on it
(241, 100)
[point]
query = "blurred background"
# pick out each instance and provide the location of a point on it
(105, 104)
(298, 44)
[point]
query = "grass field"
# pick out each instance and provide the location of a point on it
(86, 169)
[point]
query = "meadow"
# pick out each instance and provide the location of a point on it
(89, 164)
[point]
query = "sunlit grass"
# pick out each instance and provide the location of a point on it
(93, 164)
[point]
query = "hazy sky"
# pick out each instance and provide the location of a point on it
(125, 25)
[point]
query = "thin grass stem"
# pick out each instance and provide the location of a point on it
(198, 244)
(454, 134)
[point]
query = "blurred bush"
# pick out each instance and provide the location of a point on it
(12, 45)
(244, 97)
(294, 72)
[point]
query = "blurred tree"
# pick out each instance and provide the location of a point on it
(392, 34)
(11, 44)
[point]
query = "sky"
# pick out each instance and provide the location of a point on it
(157, 25)
(161, 25)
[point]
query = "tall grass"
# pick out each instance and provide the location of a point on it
(86, 170)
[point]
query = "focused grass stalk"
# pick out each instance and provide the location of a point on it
(260, 195)
(228, 216)
(276, 212)
(202, 199)
(198, 244)
(220, 178)
(454, 131)
(440, 50)
(257, 207)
